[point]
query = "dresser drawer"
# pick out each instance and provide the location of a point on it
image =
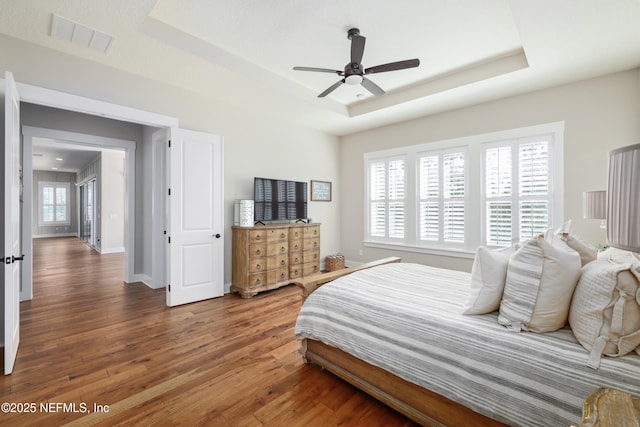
(258, 279)
(311, 268)
(277, 235)
(257, 236)
(311, 244)
(280, 261)
(257, 265)
(313, 231)
(311, 256)
(296, 233)
(295, 245)
(274, 249)
(257, 251)
(282, 275)
(295, 271)
(295, 258)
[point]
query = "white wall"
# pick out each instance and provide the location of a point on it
(599, 114)
(255, 145)
(112, 196)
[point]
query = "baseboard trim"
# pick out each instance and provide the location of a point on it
(45, 236)
(110, 250)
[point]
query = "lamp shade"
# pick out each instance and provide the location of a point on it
(623, 198)
(594, 204)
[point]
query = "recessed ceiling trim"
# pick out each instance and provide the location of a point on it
(486, 69)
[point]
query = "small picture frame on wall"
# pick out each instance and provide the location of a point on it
(320, 191)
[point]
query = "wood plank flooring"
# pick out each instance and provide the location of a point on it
(89, 339)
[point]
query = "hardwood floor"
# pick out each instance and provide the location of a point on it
(89, 339)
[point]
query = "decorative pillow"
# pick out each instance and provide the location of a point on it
(488, 275)
(587, 252)
(605, 311)
(619, 256)
(541, 277)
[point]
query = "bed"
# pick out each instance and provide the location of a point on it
(396, 331)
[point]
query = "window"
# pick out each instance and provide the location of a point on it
(54, 203)
(387, 198)
(441, 189)
(517, 196)
(449, 197)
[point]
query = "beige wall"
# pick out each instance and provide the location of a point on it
(255, 144)
(599, 115)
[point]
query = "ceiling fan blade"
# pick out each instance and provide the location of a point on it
(372, 87)
(357, 48)
(320, 70)
(331, 88)
(393, 66)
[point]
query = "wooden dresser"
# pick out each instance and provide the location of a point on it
(271, 256)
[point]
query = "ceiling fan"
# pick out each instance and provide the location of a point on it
(354, 73)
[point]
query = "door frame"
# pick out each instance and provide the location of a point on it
(30, 133)
(65, 101)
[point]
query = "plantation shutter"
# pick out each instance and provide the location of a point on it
(517, 196)
(453, 197)
(377, 191)
(396, 198)
(441, 207)
(498, 206)
(428, 170)
(534, 189)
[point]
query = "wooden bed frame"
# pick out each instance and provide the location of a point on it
(421, 405)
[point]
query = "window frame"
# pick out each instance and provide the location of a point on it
(55, 185)
(474, 190)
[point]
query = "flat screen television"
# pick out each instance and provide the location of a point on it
(279, 200)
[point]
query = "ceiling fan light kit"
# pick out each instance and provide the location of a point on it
(354, 73)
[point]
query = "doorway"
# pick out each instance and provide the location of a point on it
(34, 136)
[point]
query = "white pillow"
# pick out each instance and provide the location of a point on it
(488, 275)
(541, 277)
(605, 311)
(587, 252)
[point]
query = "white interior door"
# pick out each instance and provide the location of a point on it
(195, 236)
(12, 250)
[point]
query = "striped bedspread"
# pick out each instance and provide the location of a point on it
(406, 318)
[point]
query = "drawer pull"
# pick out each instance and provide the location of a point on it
(258, 281)
(283, 263)
(283, 249)
(258, 252)
(258, 237)
(283, 235)
(258, 266)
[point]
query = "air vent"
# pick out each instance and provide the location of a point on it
(74, 32)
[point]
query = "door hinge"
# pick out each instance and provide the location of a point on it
(169, 286)
(164, 232)
(169, 239)
(169, 192)
(169, 143)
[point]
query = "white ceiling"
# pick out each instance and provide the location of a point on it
(242, 52)
(59, 156)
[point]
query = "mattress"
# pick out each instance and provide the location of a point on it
(407, 319)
